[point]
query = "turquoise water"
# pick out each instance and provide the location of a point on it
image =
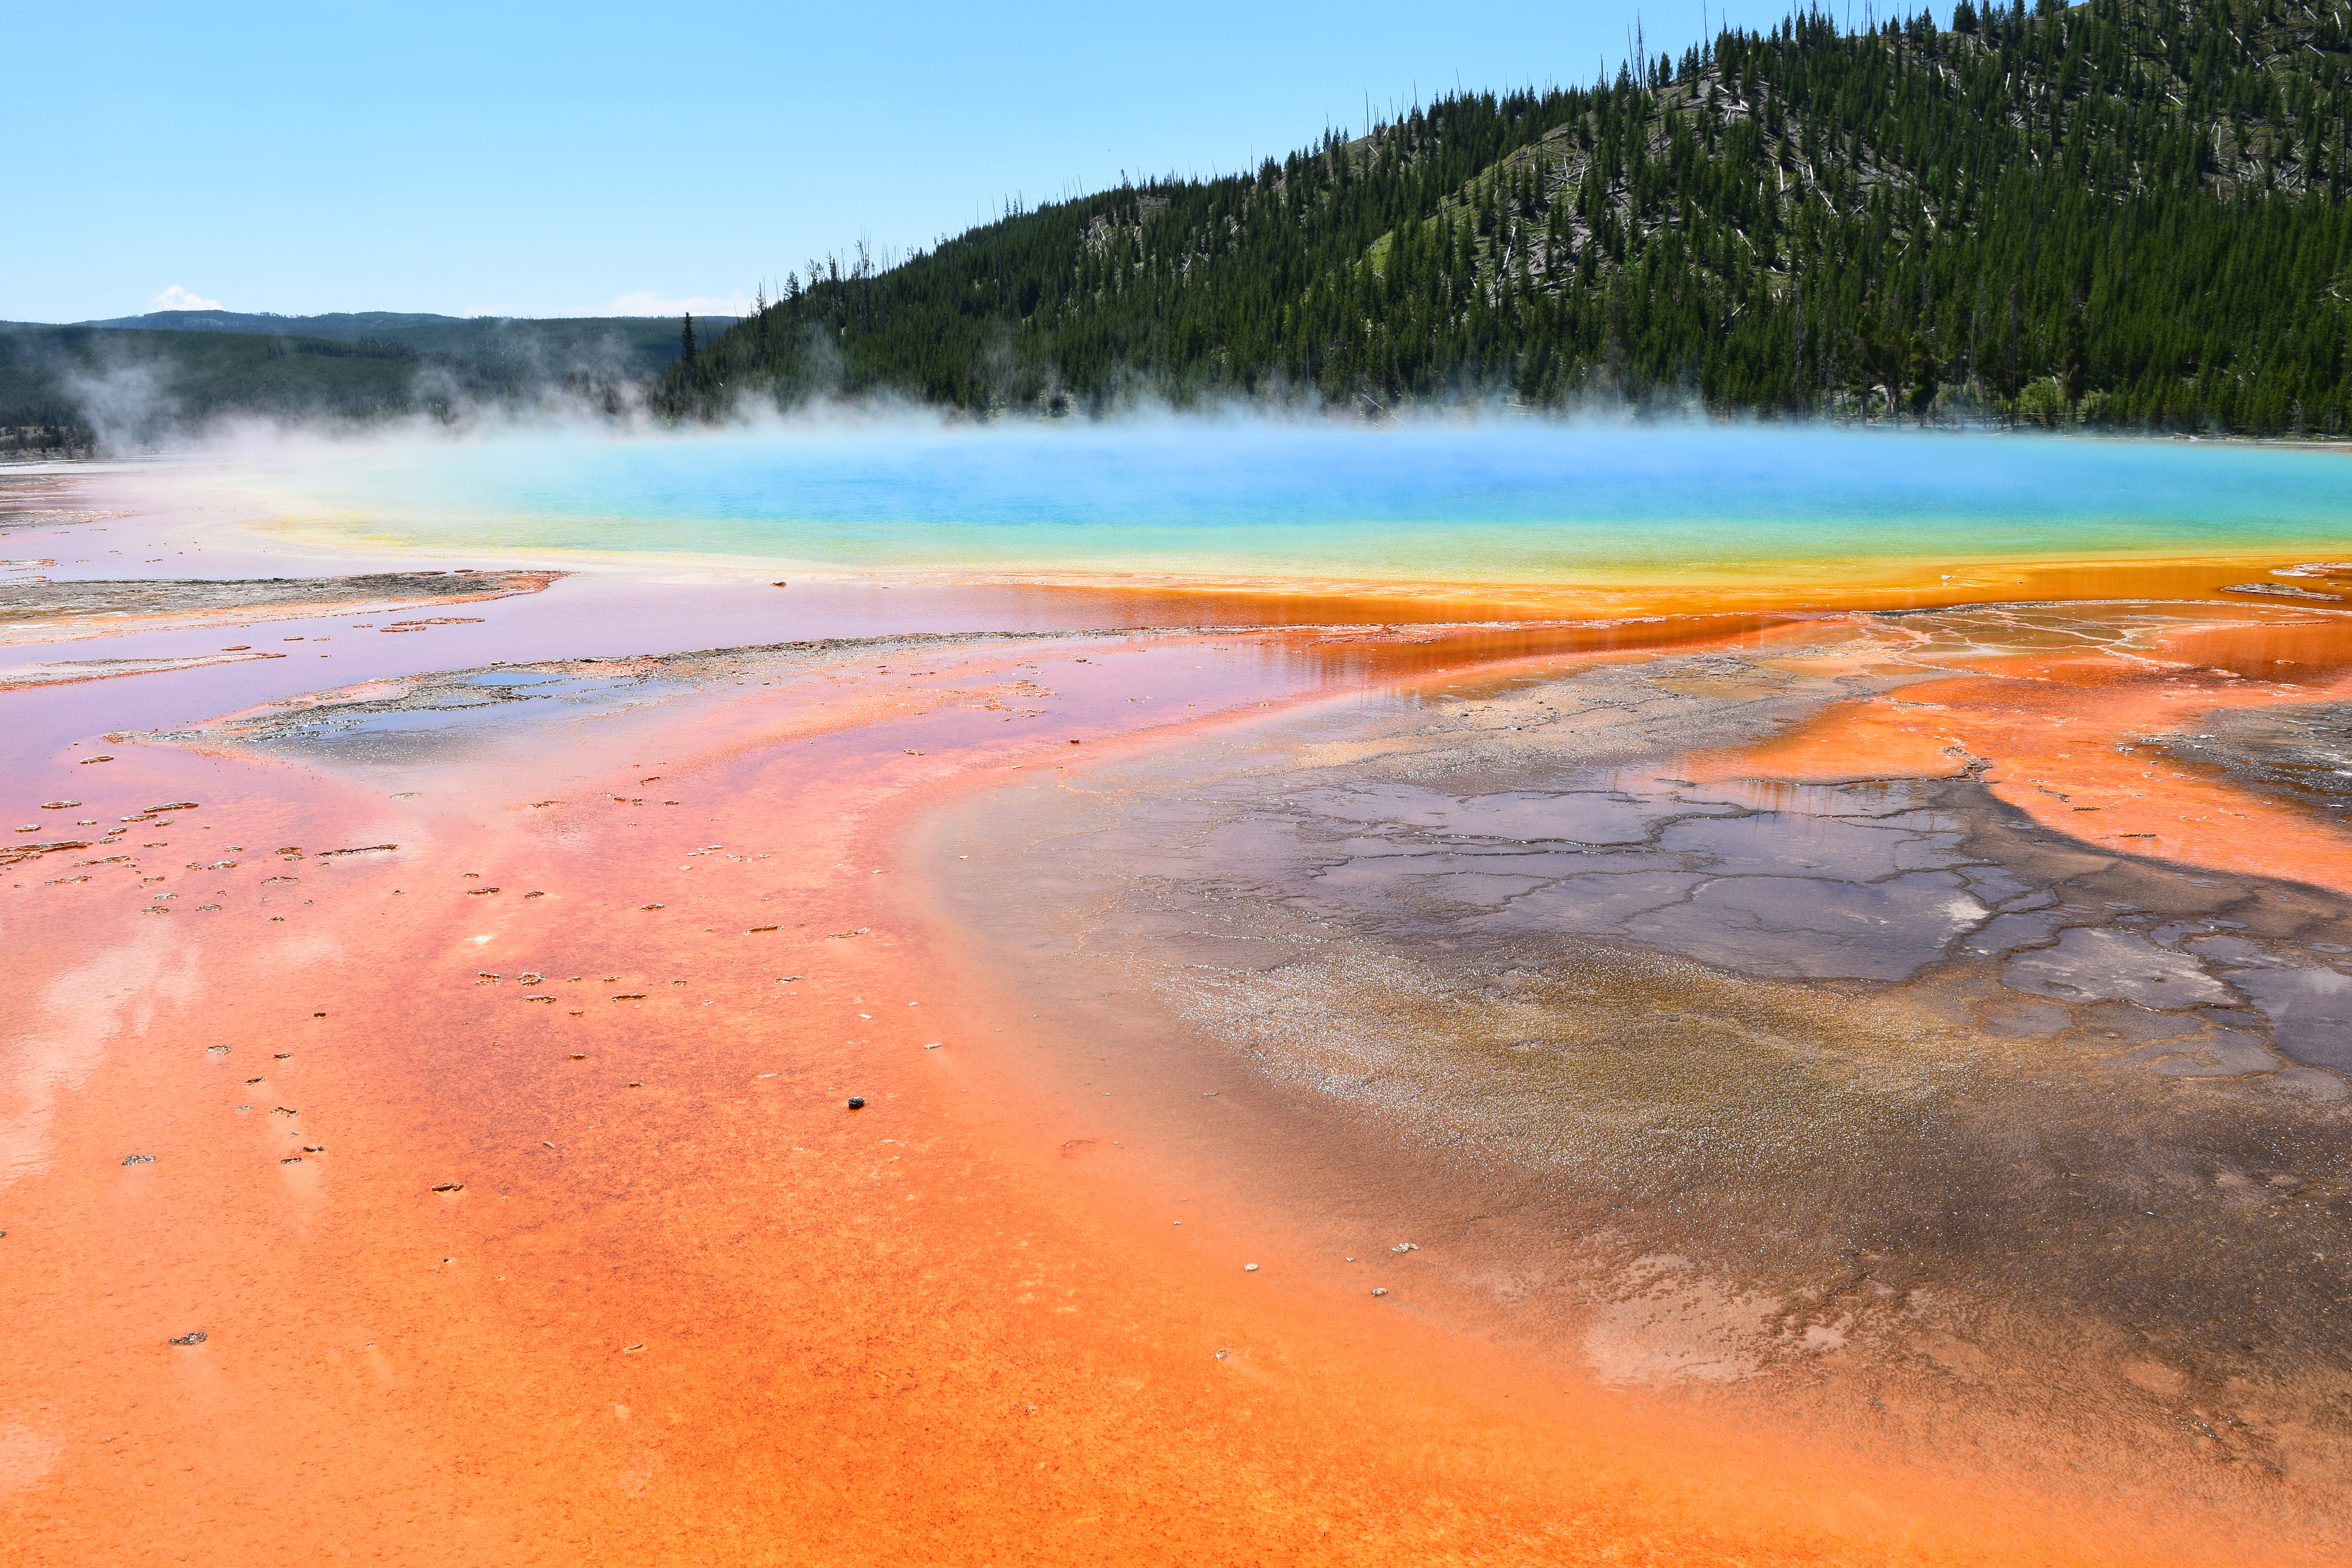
(1519, 502)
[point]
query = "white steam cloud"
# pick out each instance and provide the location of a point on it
(178, 299)
(126, 401)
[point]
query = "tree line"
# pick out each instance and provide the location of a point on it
(2128, 213)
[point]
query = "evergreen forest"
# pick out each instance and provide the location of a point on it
(2131, 213)
(126, 383)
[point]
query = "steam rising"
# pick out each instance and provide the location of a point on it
(1252, 496)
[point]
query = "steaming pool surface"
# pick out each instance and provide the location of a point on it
(1521, 501)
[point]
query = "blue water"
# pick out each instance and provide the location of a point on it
(1499, 502)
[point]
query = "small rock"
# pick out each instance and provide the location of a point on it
(139, 1158)
(195, 1338)
(1249, 1267)
(857, 1103)
(1380, 1290)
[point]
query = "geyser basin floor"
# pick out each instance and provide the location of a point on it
(523, 1227)
(496, 1264)
(1878, 1101)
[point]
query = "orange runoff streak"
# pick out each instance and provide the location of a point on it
(2049, 729)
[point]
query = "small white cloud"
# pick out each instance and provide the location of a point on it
(646, 302)
(178, 299)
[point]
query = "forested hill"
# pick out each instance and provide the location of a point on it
(2129, 212)
(129, 382)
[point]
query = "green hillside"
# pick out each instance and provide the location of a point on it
(2124, 212)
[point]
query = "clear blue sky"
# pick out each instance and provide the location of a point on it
(593, 158)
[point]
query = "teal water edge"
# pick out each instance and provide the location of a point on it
(1519, 502)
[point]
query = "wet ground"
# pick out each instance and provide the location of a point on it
(37, 610)
(1827, 1088)
(1877, 1097)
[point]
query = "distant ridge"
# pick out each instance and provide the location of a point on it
(335, 324)
(138, 379)
(359, 324)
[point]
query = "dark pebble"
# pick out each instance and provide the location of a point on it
(196, 1339)
(857, 1103)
